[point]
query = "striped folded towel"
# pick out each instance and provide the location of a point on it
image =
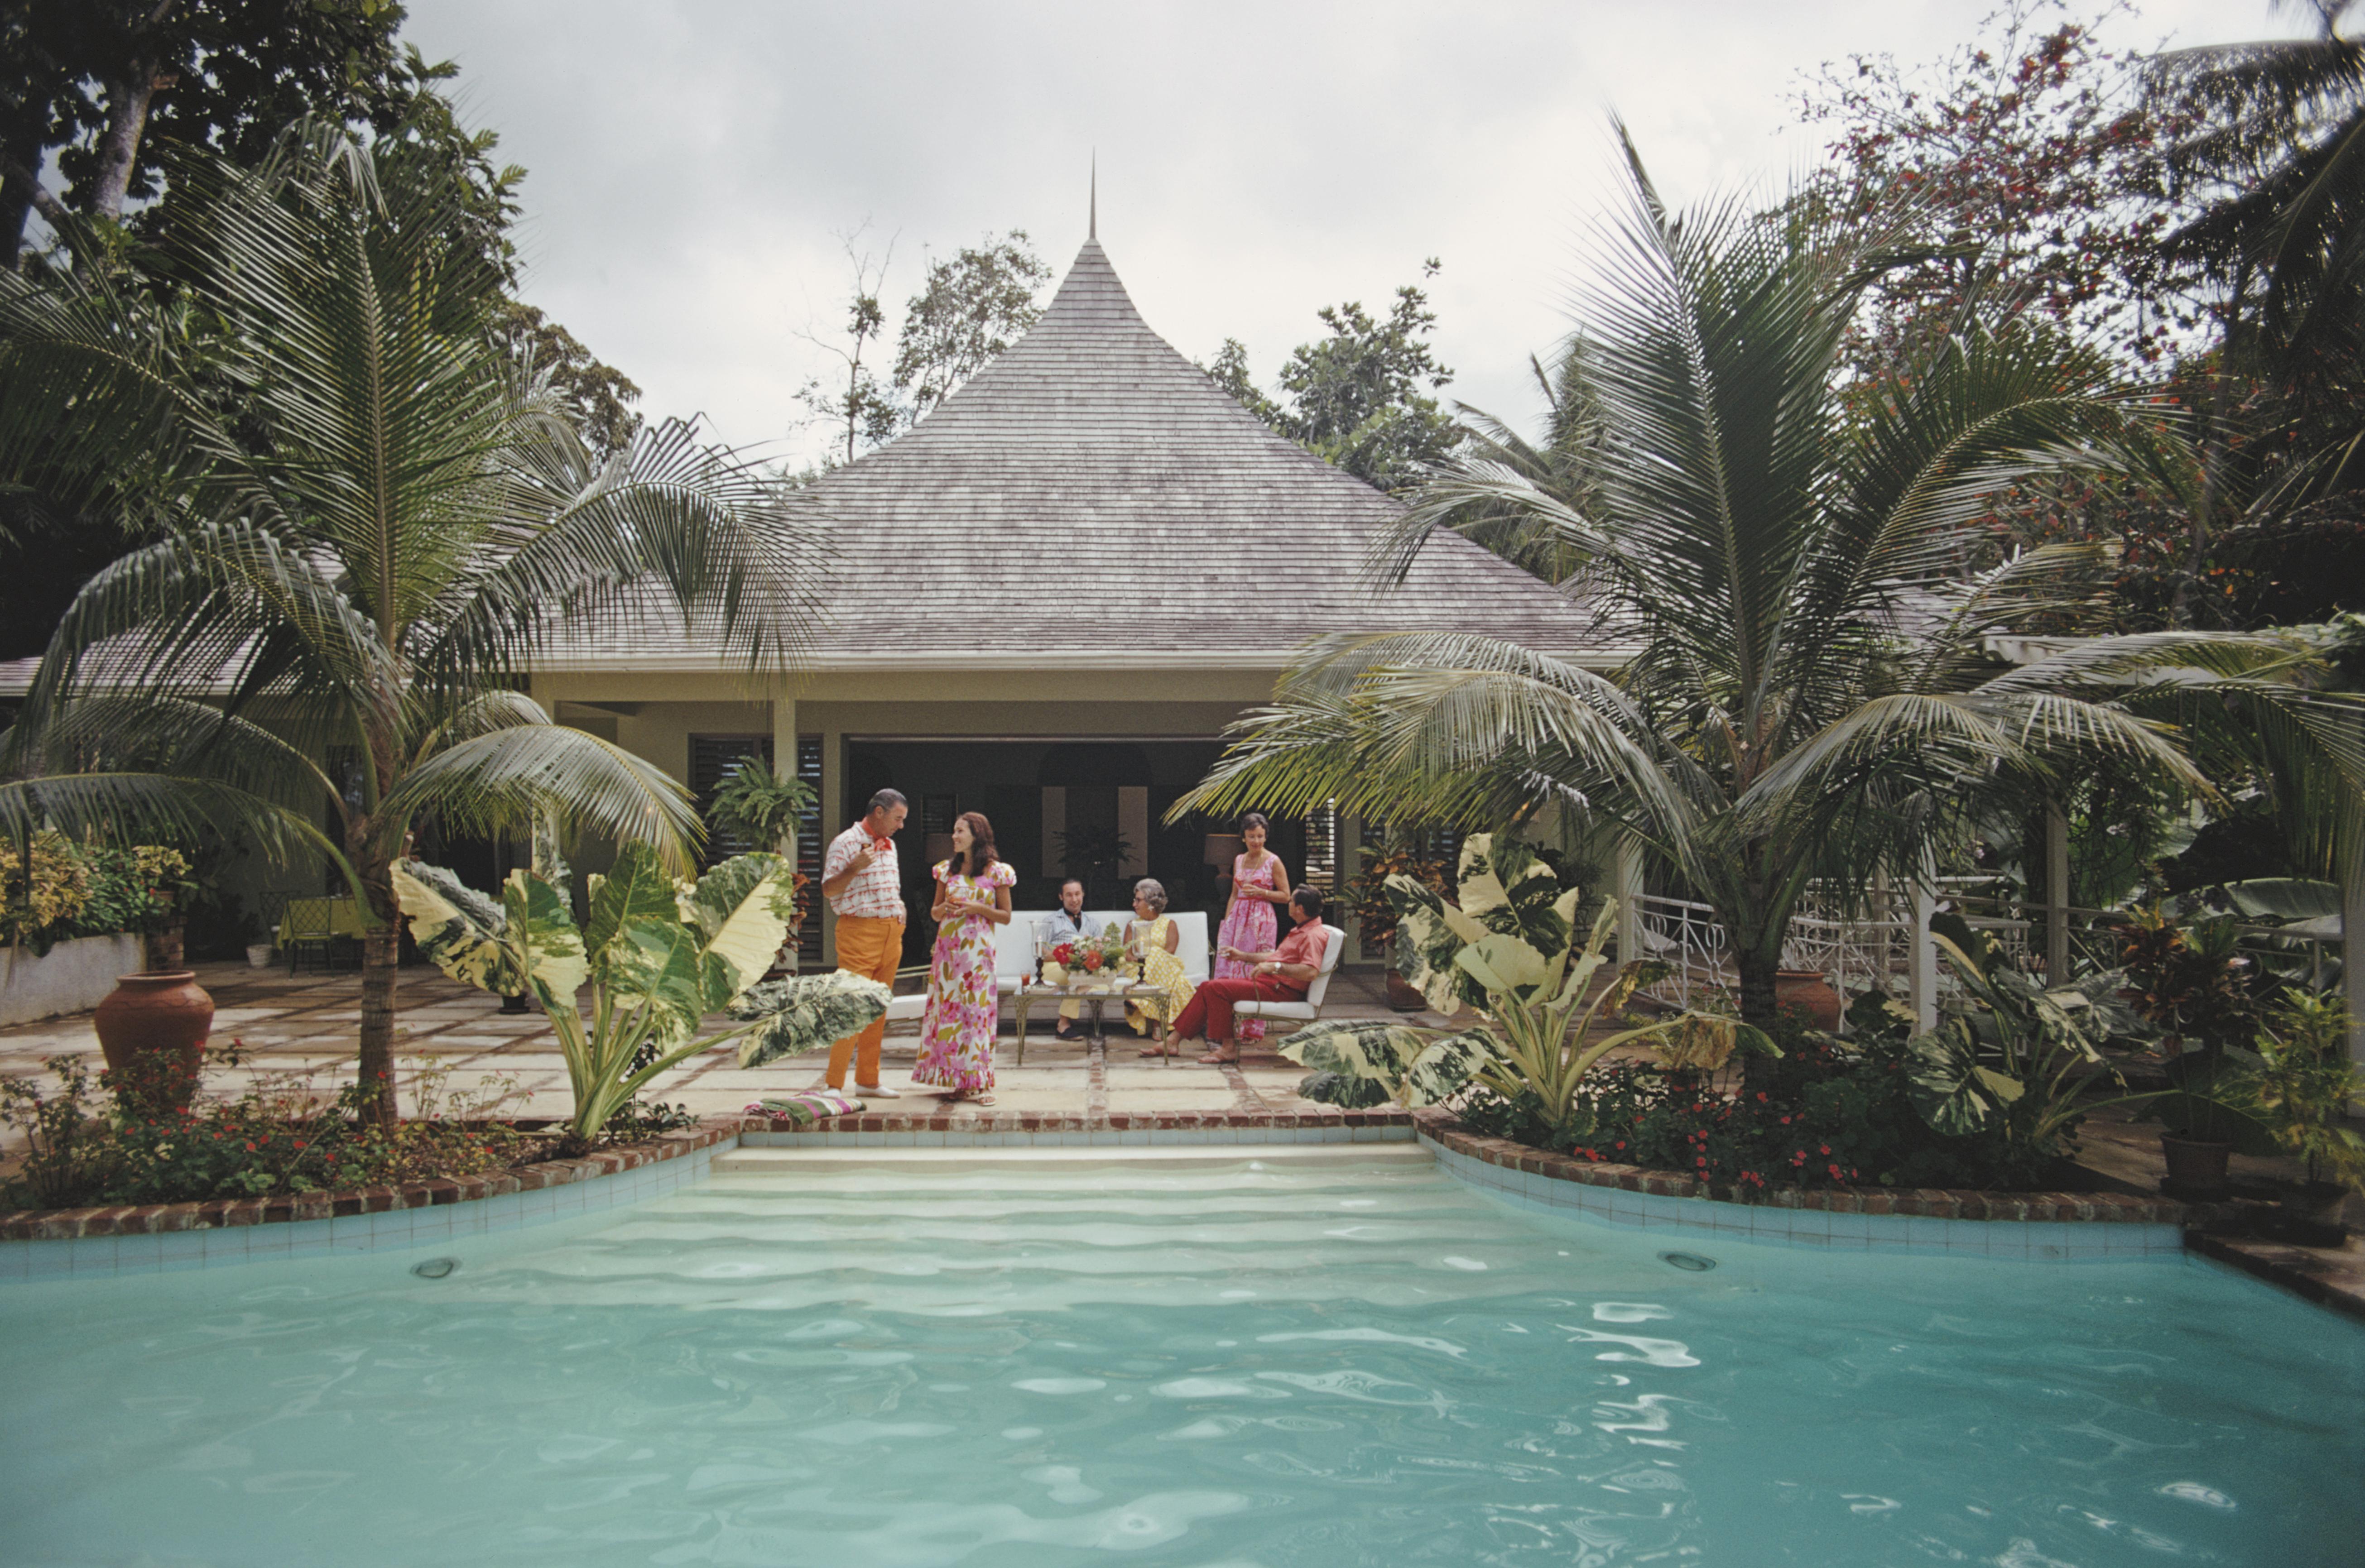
(806, 1106)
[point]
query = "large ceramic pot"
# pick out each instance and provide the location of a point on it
(1808, 993)
(1403, 995)
(2196, 1167)
(168, 1015)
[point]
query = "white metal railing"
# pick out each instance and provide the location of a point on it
(1873, 945)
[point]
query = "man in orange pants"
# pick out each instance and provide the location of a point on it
(864, 884)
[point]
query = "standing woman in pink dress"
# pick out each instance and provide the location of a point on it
(1260, 885)
(964, 1009)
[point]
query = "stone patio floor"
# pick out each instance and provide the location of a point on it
(305, 1024)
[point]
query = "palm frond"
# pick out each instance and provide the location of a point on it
(503, 778)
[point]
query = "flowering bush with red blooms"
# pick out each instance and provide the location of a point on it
(280, 1136)
(1828, 1114)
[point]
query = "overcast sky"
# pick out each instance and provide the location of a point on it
(693, 164)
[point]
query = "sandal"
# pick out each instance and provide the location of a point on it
(1217, 1058)
(1158, 1051)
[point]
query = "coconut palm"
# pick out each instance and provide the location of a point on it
(371, 518)
(2275, 156)
(1807, 685)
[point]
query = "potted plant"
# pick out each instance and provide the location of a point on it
(2298, 1093)
(2188, 982)
(1376, 916)
(763, 810)
(162, 1010)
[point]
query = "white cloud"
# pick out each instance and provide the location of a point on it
(692, 164)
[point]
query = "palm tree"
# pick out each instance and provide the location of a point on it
(372, 518)
(1808, 688)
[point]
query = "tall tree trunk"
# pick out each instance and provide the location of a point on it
(1756, 968)
(381, 956)
(118, 145)
(21, 189)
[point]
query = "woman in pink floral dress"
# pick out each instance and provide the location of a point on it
(964, 1009)
(1259, 884)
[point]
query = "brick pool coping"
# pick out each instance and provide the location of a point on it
(214, 1214)
(1925, 1202)
(1797, 1217)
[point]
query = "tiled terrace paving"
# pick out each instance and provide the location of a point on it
(306, 1024)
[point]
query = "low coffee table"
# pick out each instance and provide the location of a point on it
(1120, 989)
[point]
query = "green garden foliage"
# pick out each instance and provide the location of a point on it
(148, 1143)
(2018, 1060)
(59, 889)
(1506, 949)
(660, 955)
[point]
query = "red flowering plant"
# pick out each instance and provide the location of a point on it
(281, 1135)
(1827, 1113)
(1082, 959)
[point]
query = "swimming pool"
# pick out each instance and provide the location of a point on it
(1203, 1358)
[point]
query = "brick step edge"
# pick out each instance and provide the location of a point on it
(1928, 1202)
(214, 1214)
(1082, 1122)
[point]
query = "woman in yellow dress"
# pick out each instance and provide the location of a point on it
(1153, 938)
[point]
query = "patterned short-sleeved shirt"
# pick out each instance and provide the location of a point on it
(876, 892)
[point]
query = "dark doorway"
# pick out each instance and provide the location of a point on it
(1057, 806)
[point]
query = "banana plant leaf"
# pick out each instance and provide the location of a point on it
(1947, 1084)
(1417, 1065)
(635, 888)
(1507, 887)
(742, 910)
(805, 1012)
(525, 943)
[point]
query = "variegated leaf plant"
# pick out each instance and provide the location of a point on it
(1507, 949)
(1412, 1066)
(660, 956)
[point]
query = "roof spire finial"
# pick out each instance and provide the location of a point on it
(1093, 212)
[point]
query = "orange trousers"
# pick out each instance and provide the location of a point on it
(873, 949)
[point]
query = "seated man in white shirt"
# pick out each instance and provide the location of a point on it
(1066, 924)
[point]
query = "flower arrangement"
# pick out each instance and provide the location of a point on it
(1084, 960)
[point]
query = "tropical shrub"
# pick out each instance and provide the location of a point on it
(1827, 1113)
(56, 888)
(2302, 1086)
(1374, 911)
(658, 955)
(144, 1146)
(2019, 1059)
(1508, 951)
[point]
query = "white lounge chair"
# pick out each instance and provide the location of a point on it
(1334, 943)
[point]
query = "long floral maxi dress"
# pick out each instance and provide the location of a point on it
(1250, 925)
(956, 1031)
(1159, 967)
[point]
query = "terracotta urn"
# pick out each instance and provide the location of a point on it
(168, 1013)
(1403, 995)
(1810, 993)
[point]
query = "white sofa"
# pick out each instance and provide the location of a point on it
(1013, 953)
(1333, 944)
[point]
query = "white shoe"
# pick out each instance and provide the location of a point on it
(877, 1091)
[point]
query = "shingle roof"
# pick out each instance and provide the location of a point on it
(1092, 492)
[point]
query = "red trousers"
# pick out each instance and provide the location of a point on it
(1208, 1014)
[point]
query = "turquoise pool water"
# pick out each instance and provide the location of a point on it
(1243, 1364)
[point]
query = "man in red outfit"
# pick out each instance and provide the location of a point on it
(1281, 974)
